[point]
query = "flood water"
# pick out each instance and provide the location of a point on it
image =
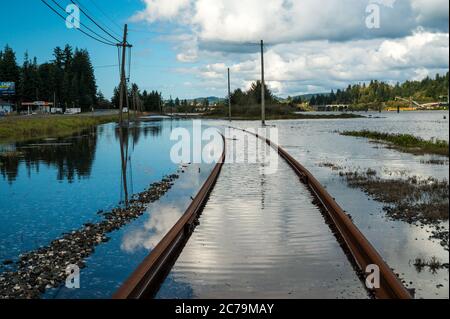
(258, 232)
(260, 236)
(314, 142)
(58, 185)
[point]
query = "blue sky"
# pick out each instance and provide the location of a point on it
(313, 46)
(33, 27)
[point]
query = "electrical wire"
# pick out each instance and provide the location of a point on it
(59, 6)
(120, 28)
(94, 21)
(79, 29)
(105, 15)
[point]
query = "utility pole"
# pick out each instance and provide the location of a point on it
(263, 88)
(135, 105)
(229, 96)
(123, 90)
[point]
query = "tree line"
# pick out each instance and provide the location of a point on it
(153, 101)
(426, 90)
(252, 96)
(68, 79)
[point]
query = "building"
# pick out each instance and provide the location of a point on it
(6, 107)
(37, 107)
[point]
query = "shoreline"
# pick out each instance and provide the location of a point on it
(302, 116)
(22, 129)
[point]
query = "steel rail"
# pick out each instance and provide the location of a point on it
(363, 253)
(148, 277)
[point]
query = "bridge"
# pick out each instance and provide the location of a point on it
(418, 105)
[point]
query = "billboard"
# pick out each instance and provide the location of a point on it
(7, 88)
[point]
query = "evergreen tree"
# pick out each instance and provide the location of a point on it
(9, 70)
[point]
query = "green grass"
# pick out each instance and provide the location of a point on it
(27, 128)
(405, 142)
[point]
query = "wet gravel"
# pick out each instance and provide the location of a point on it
(45, 268)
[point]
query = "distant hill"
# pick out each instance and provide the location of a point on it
(305, 97)
(211, 99)
(308, 97)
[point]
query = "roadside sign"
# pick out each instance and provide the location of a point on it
(7, 88)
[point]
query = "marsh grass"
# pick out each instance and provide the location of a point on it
(405, 142)
(412, 200)
(434, 264)
(24, 128)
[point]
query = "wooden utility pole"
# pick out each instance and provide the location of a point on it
(263, 88)
(135, 104)
(229, 96)
(124, 46)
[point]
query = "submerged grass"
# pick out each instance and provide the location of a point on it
(413, 200)
(405, 142)
(27, 128)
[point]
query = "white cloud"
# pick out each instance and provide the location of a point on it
(431, 11)
(317, 65)
(312, 45)
(294, 20)
(161, 10)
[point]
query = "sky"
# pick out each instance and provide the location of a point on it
(184, 47)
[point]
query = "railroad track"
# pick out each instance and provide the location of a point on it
(144, 283)
(148, 277)
(361, 250)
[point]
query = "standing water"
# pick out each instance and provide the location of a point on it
(55, 186)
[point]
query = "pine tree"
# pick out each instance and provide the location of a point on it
(9, 70)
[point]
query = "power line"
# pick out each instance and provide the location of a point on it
(82, 31)
(103, 23)
(107, 17)
(81, 23)
(94, 21)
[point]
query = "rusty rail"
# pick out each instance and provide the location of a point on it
(147, 278)
(363, 253)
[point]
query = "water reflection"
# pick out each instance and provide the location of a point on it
(153, 229)
(71, 157)
(55, 185)
(260, 236)
(163, 215)
(315, 142)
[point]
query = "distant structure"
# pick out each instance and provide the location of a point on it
(425, 106)
(331, 107)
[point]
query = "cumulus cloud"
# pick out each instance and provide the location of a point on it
(295, 20)
(311, 45)
(431, 12)
(320, 65)
(161, 10)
